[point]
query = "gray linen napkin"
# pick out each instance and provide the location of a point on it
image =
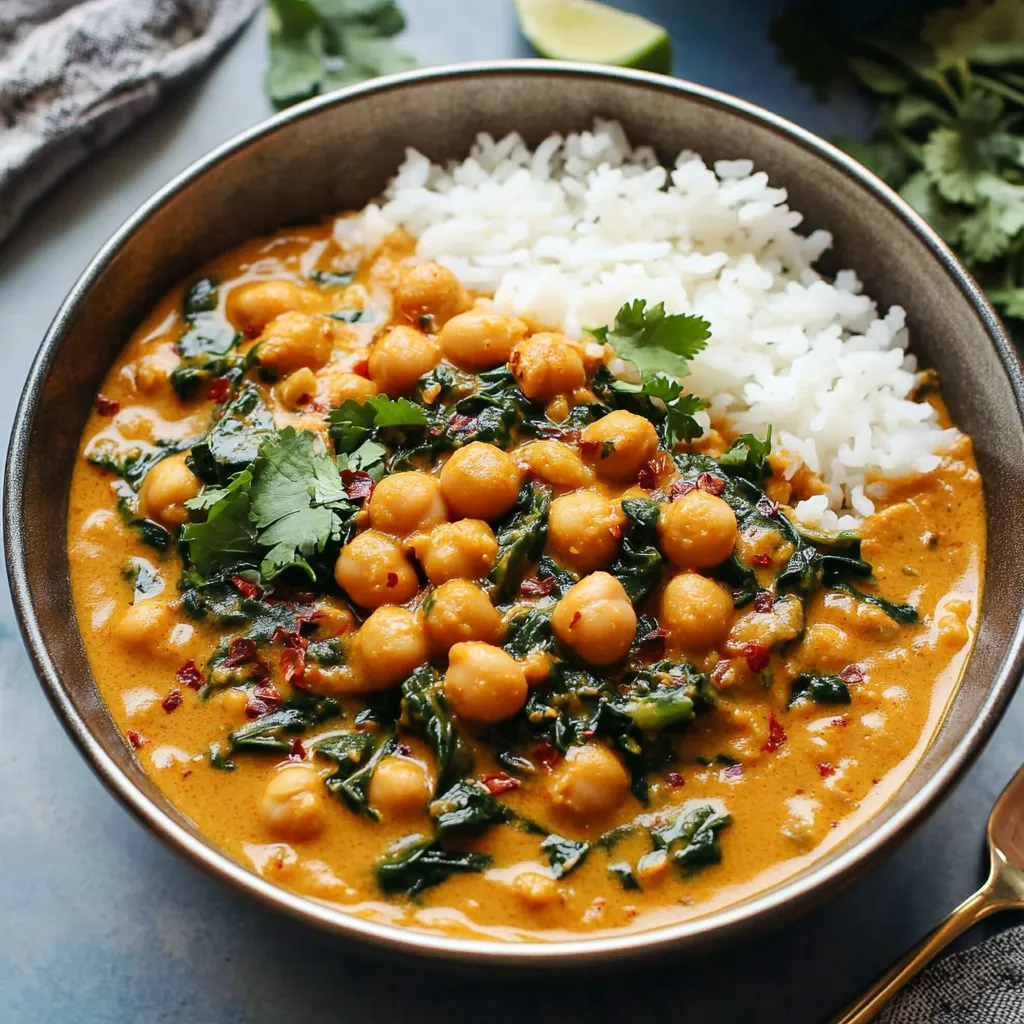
(76, 73)
(981, 985)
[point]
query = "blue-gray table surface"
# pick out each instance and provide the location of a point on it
(100, 922)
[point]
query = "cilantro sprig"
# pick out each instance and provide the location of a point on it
(319, 45)
(950, 96)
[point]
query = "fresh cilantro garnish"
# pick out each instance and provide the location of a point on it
(352, 421)
(653, 340)
(280, 514)
(319, 45)
(748, 457)
(951, 113)
(680, 406)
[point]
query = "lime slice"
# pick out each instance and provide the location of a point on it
(590, 31)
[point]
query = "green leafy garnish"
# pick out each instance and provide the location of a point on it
(320, 45)
(653, 340)
(820, 688)
(564, 855)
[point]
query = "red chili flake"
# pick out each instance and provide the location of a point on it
(852, 674)
(675, 779)
(289, 638)
(260, 671)
(499, 782)
(576, 616)
(357, 484)
(766, 506)
(841, 722)
(107, 406)
(711, 483)
(734, 771)
(298, 751)
(241, 652)
(825, 769)
(535, 587)
(362, 367)
(248, 589)
(218, 389)
(762, 559)
(392, 579)
(589, 447)
(135, 739)
(172, 701)
(655, 638)
(189, 675)
(461, 424)
(264, 699)
(403, 749)
(763, 601)
(616, 531)
(546, 754)
(757, 656)
(680, 488)
(293, 665)
(776, 735)
(647, 477)
(186, 772)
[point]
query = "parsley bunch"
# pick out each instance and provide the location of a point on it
(319, 45)
(950, 91)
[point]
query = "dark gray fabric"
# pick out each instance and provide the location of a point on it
(76, 73)
(981, 985)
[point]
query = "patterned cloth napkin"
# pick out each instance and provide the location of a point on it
(76, 73)
(981, 985)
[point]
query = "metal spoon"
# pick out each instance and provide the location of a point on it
(1004, 890)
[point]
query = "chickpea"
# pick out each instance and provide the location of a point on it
(250, 307)
(335, 385)
(390, 644)
(144, 625)
(622, 442)
(547, 365)
(480, 481)
(535, 890)
(373, 570)
(596, 619)
(460, 611)
(405, 503)
(294, 340)
(400, 788)
(589, 783)
(584, 530)
(480, 339)
(294, 805)
(166, 488)
(697, 530)
(484, 683)
(400, 357)
(297, 388)
(466, 549)
(696, 611)
(152, 374)
(429, 289)
(555, 463)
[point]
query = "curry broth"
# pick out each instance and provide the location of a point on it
(791, 796)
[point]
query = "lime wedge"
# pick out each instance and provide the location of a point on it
(591, 31)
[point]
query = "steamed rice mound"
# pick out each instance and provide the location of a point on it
(564, 234)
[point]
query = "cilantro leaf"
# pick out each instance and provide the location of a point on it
(748, 457)
(680, 407)
(352, 422)
(227, 537)
(296, 494)
(653, 340)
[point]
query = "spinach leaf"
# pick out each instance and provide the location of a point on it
(132, 464)
(352, 780)
(416, 864)
(529, 630)
(521, 536)
(564, 855)
(623, 871)
(348, 750)
(748, 457)
(692, 839)
(270, 731)
(425, 713)
(637, 566)
(466, 809)
(332, 279)
(823, 689)
(145, 577)
(234, 440)
(150, 532)
(904, 614)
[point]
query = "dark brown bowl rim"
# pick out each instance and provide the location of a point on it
(703, 932)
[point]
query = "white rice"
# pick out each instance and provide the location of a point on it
(565, 234)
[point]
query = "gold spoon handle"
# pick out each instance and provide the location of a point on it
(985, 901)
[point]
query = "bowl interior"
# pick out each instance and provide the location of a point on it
(337, 154)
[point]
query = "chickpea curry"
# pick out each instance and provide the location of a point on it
(462, 624)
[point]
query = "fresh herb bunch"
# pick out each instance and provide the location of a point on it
(950, 89)
(319, 45)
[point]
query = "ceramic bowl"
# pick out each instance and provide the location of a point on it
(336, 153)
